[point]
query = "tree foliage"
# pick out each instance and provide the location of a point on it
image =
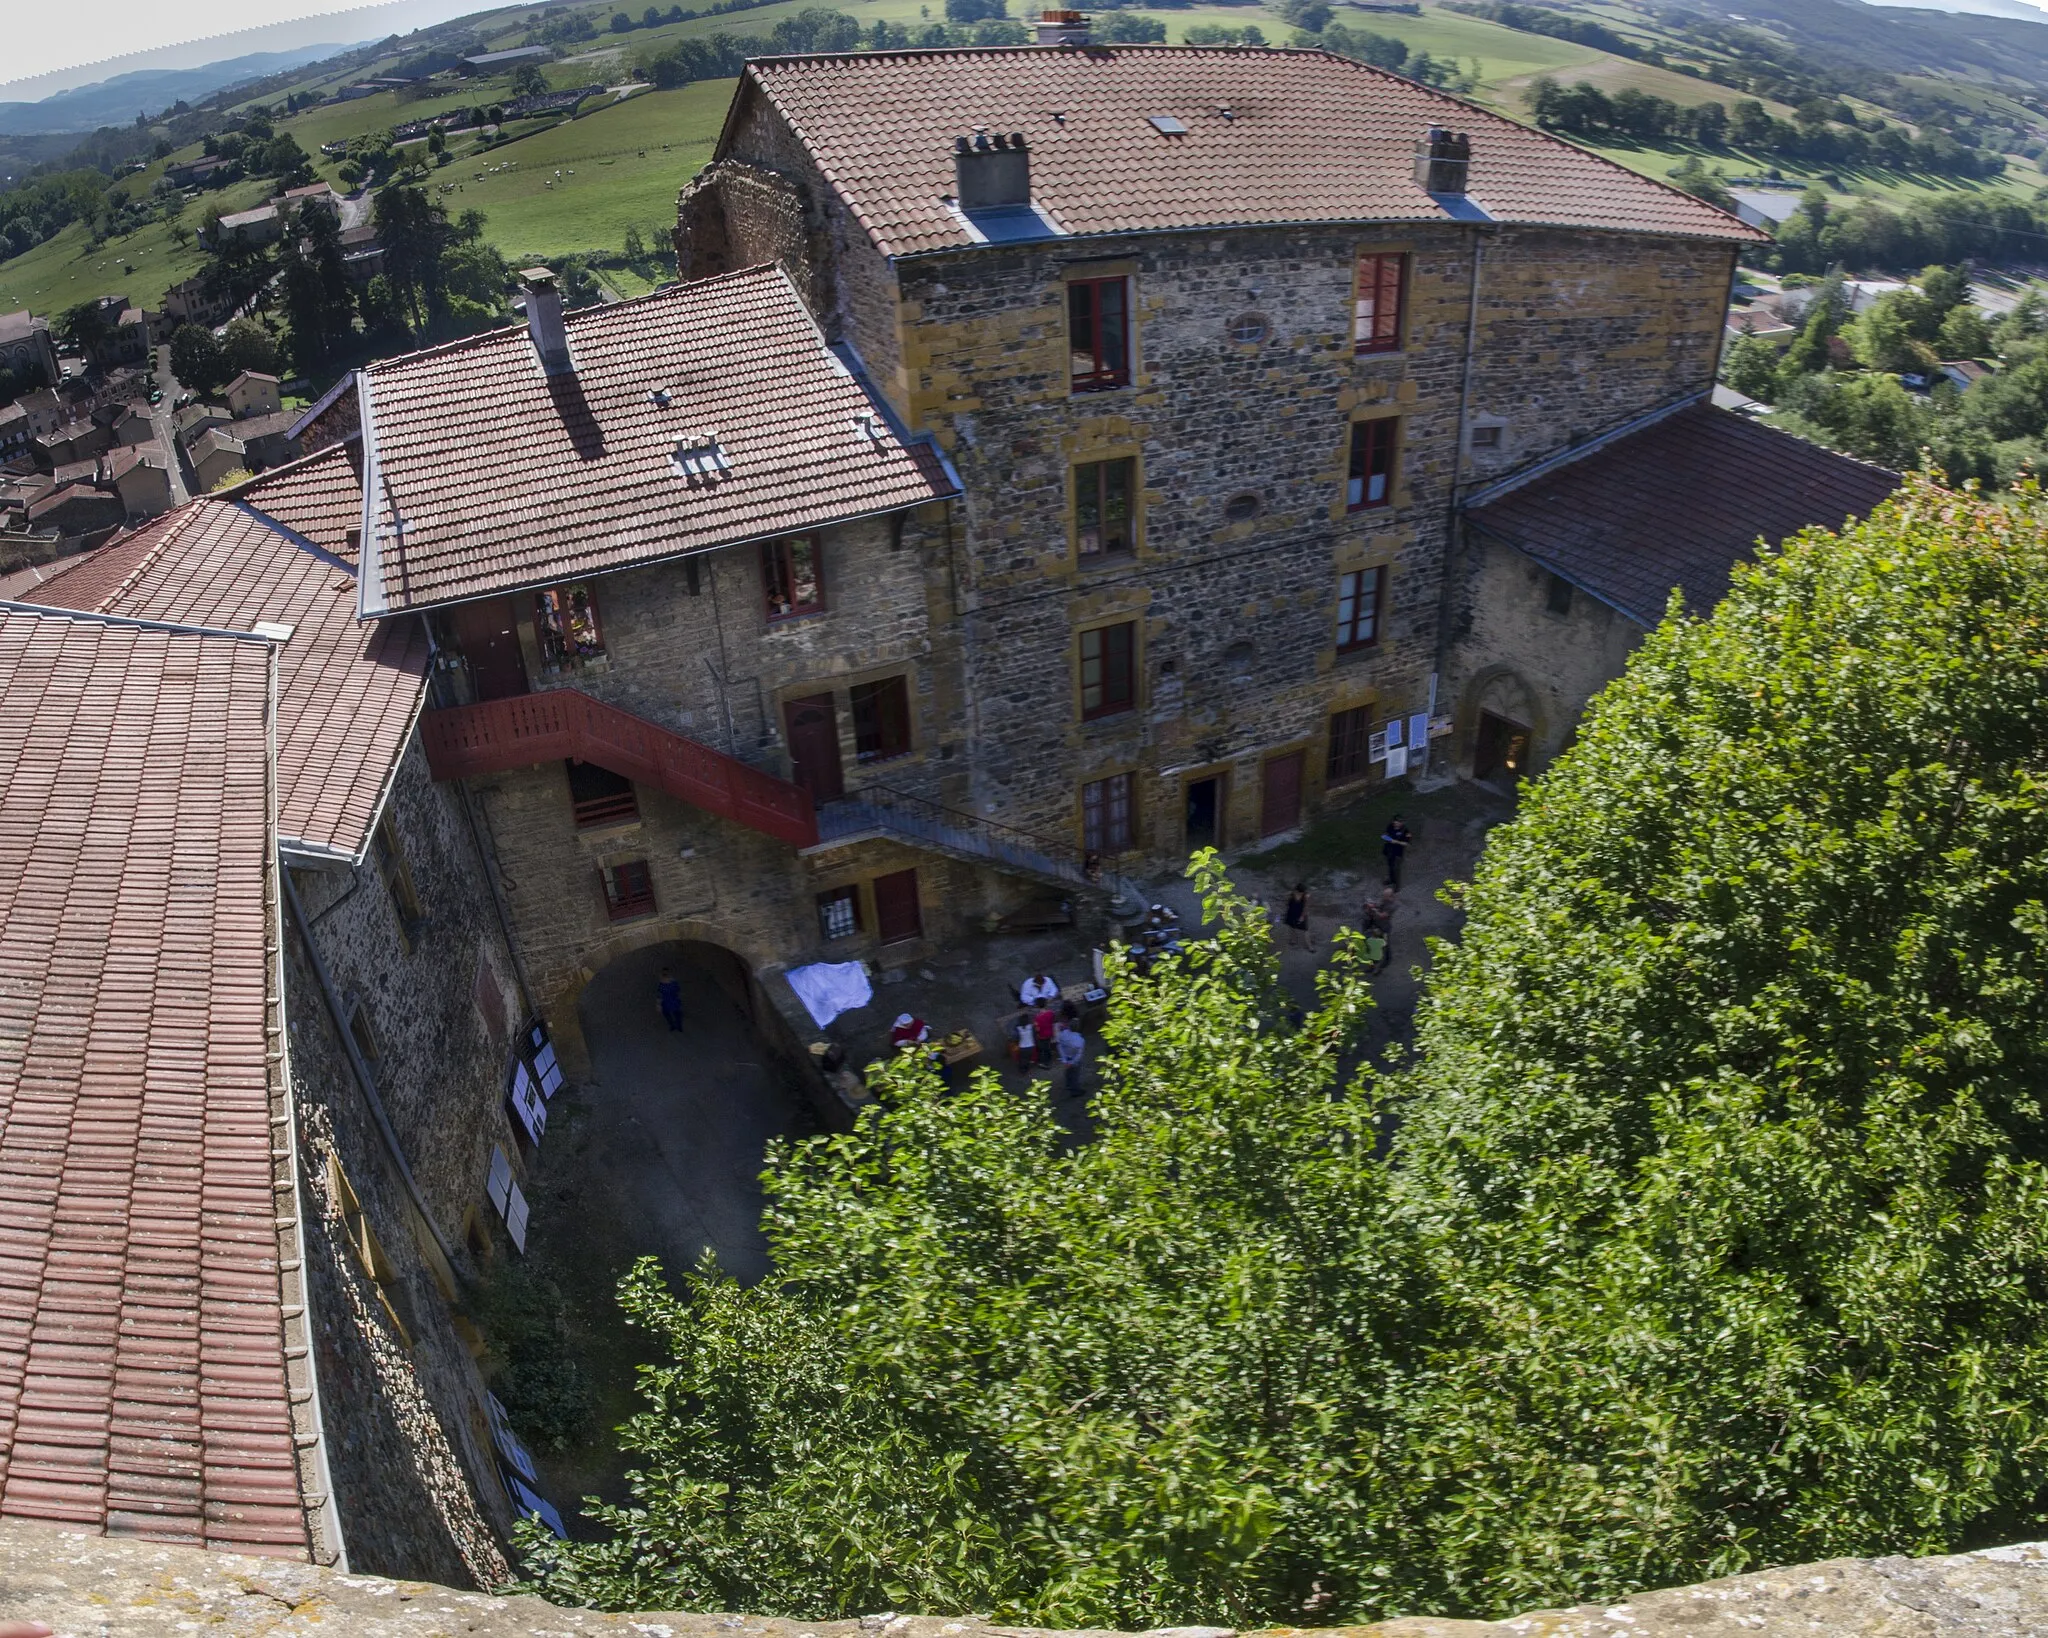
(1709, 1228)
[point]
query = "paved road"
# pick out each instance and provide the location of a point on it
(678, 1121)
(165, 428)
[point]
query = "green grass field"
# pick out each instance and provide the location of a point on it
(62, 271)
(618, 168)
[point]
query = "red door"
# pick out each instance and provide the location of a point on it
(1280, 808)
(896, 913)
(488, 635)
(814, 746)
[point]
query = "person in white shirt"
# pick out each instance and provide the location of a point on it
(1041, 988)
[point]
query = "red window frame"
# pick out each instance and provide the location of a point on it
(1109, 670)
(1369, 481)
(628, 889)
(1098, 333)
(1107, 825)
(780, 583)
(1378, 297)
(1350, 745)
(1104, 507)
(566, 625)
(1361, 596)
(881, 719)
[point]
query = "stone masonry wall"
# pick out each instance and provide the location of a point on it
(403, 1400)
(1517, 659)
(132, 1589)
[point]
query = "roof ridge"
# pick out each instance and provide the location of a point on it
(171, 530)
(298, 463)
(572, 316)
(100, 617)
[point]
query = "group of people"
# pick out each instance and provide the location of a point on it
(1047, 1030)
(1376, 915)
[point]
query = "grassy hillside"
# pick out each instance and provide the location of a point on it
(581, 184)
(63, 271)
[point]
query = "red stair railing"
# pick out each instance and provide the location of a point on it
(463, 741)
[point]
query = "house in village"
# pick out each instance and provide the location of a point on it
(26, 350)
(1055, 461)
(253, 392)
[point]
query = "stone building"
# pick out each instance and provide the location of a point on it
(1567, 564)
(1216, 340)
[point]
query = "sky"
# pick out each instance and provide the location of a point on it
(54, 46)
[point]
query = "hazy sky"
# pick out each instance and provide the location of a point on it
(43, 36)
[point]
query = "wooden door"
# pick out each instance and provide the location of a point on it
(1280, 804)
(814, 746)
(487, 632)
(1503, 747)
(897, 915)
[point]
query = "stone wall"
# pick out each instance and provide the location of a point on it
(1519, 658)
(90, 1585)
(434, 1007)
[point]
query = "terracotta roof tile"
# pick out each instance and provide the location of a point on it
(347, 693)
(1310, 137)
(1677, 506)
(502, 477)
(134, 859)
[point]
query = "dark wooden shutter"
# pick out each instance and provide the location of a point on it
(897, 915)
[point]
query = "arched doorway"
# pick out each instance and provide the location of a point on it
(676, 1120)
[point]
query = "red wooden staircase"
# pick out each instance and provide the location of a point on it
(466, 740)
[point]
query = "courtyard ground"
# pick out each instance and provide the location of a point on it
(660, 1150)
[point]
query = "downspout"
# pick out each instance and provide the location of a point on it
(1451, 530)
(364, 1078)
(295, 1302)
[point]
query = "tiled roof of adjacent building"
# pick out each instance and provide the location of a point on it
(319, 496)
(1679, 504)
(143, 1380)
(348, 693)
(487, 475)
(1271, 137)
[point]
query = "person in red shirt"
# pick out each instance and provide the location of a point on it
(1045, 1024)
(909, 1031)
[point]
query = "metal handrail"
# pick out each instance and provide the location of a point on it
(1051, 846)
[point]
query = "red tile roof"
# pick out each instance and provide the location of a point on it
(1678, 505)
(502, 477)
(142, 1372)
(319, 496)
(348, 693)
(1311, 137)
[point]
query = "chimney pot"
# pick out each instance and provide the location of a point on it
(1062, 28)
(988, 174)
(1443, 161)
(544, 323)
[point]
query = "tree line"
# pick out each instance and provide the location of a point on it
(1822, 134)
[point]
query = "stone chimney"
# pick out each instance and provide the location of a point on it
(544, 321)
(1058, 28)
(991, 170)
(1442, 161)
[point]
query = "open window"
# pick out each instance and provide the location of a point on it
(1376, 305)
(628, 890)
(600, 797)
(1109, 670)
(1099, 333)
(566, 626)
(1371, 477)
(881, 719)
(793, 574)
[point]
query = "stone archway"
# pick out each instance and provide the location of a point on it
(1497, 702)
(673, 1124)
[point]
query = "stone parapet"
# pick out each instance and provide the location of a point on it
(112, 1588)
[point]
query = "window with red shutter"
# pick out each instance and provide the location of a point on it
(1371, 481)
(1376, 313)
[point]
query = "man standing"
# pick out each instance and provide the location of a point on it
(1045, 1025)
(1394, 842)
(1073, 1047)
(670, 996)
(1296, 917)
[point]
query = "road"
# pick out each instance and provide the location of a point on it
(166, 431)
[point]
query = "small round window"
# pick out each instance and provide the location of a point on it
(1250, 328)
(1240, 508)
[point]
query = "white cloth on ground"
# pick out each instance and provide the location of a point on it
(828, 988)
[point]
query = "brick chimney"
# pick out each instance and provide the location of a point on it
(991, 170)
(1442, 161)
(544, 321)
(1058, 28)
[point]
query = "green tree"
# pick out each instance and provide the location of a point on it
(1888, 336)
(318, 303)
(1825, 316)
(1751, 368)
(1964, 334)
(246, 345)
(414, 231)
(85, 326)
(196, 359)
(1713, 1229)
(529, 80)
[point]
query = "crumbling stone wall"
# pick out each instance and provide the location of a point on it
(133, 1589)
